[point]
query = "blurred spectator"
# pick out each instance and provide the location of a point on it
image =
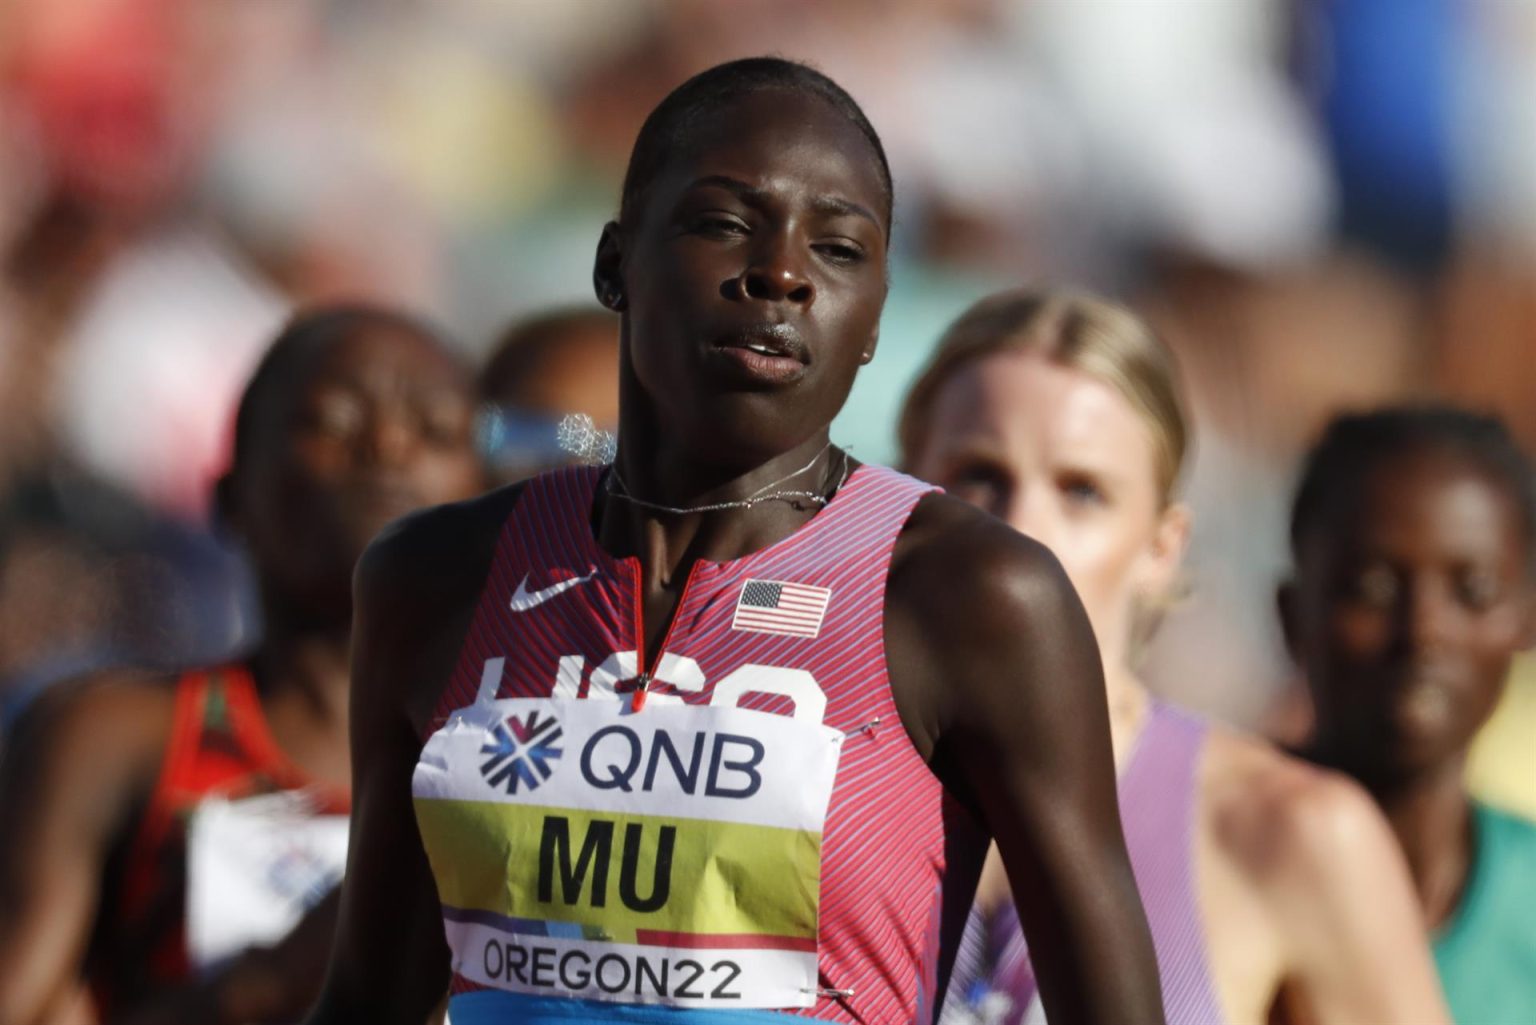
(1388, 69)
(544, 369)
(1320, 204)
(130, 321)
(1063, 415)
(89, 580)
(1414, 535)
(157, 826)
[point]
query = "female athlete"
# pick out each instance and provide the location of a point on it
(162, 833)
(569, 802)
(1414, 534)
(1272, 889)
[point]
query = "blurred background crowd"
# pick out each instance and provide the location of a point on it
(1321, 204)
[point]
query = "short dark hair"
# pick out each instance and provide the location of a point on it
(1355, 443)
(298, 340)
(671, 125)
(525, 348)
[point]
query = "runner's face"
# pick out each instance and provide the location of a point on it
(375, 425)
(1410, 607)
(754, 276)
(1063, 458)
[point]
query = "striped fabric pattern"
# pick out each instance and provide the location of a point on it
(883, 843)
(1157, 792)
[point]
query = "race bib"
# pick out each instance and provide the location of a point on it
(668, 856)
(254, 867)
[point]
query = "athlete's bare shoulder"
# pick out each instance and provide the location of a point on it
(975, 611)
(121, 717)
(948, 537)
(432, 552)
(956, 567)
(1289, 824)
(1325, 872)
(414, 593)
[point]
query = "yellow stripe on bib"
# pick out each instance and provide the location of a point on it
(618, 873)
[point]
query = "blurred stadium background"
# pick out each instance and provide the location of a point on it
(1322, 203)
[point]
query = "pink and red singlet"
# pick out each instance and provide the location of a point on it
(599, 861)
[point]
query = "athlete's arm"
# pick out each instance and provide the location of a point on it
(996, 674)
(413, 592)
(76, 767)
(1353, 932)
(389, 962)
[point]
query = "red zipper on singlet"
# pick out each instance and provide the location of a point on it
(643, 674)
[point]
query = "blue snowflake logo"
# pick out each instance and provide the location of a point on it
(522, 751)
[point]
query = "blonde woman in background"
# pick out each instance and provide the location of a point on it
(1274, 890)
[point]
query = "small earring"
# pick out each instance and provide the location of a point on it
(613, 299)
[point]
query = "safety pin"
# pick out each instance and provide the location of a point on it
(868, 727)
(826, 991)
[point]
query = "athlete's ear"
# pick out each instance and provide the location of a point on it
(608, 268)
(1159, 564)
(868, 352)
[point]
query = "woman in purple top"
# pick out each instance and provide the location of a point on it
(1273, 889)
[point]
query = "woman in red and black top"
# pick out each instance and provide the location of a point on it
(355, 417)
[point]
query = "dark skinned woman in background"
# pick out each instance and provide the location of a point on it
(112, 905)
(1414, 536)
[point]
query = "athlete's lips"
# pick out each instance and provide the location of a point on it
(765, 353)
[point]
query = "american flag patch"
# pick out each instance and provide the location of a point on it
(774, 607)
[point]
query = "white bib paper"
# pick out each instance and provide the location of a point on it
(669, 856)
(254, 867)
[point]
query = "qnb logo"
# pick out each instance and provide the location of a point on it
(522, 751)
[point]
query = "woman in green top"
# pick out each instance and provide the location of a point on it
(1414, 537)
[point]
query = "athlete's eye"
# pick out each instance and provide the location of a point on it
(335, 415)
(1477, 588)
(981, 483)
(840, 251)
(717, 225)
(1081, 490)
(1375, 585)
(445, 422)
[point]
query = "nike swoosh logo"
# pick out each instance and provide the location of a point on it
(524, 599)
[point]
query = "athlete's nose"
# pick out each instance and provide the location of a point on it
(1427, 617)
(775, 275)
(387, 439)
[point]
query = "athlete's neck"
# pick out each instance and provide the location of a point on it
(305, 667)
(668, 542)
(303, 677)
(1129, 702)
(1432, 817)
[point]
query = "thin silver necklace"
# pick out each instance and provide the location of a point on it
(618, 489)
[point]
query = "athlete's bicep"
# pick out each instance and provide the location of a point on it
(1034, 747)
(1015, 700)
